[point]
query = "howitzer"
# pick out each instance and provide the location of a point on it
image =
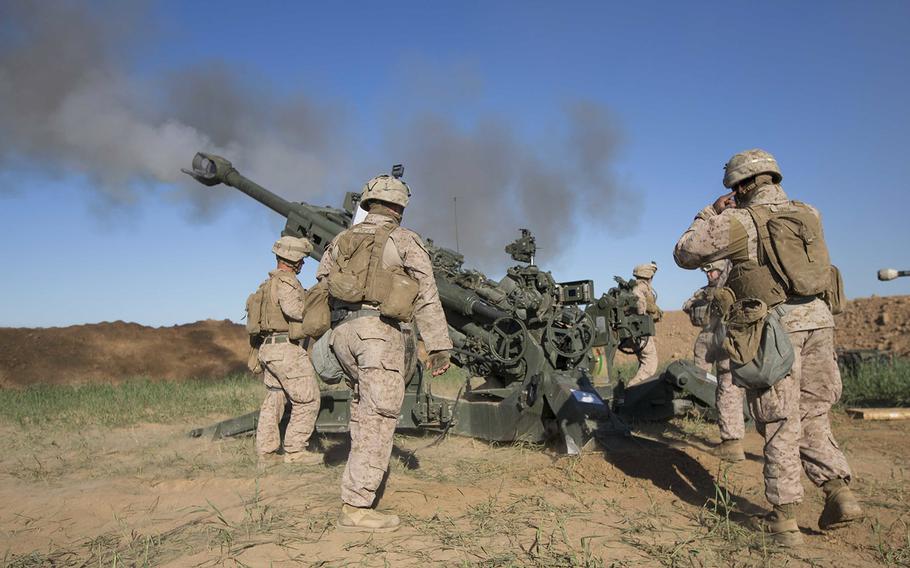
(526, 335)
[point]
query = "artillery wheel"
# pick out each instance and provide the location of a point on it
(581, 328)
(507, 340)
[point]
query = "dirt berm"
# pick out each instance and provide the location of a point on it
(112, 352)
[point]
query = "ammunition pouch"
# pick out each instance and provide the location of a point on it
(402, 295)
(760, 350)
(295, 331)
(698, 314)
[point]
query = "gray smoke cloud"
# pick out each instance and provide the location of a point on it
(502, 183)
(70, 102)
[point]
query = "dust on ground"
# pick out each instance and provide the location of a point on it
(150, 496)
(112, 352)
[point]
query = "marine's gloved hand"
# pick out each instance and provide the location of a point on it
(438, 362)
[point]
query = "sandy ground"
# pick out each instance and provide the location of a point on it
(148, 495)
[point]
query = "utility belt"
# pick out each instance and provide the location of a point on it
(284, 338)
(344, 311)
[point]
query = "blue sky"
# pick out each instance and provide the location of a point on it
(96, 228)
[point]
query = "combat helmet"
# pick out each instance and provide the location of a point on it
(292, 249)
(645, 270)
(748, 164)
(386, 187)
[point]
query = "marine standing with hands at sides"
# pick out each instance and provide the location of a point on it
(704, 313)
(647, 304)
(780, 269)
(380, 280)
(274, 313)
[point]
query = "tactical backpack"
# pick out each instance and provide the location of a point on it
(254, 327)
(791, 242)
(360, 277)
(792, 259)
(254, 310)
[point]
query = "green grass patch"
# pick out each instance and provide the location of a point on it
(878, 384)
(131, 402)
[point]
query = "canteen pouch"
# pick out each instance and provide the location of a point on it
(758, 345)
(252, 360)
(325, 362)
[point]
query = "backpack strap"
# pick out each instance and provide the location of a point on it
(765, 249)
(382, 235)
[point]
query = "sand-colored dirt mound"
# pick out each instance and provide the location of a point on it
(110, 352)
(876, 323)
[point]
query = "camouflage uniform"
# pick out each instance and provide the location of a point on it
(793, 414)
(372, 351)
(288, 375)
(709, 352)
(647, 357)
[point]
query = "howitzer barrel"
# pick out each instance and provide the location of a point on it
(317, 224)
(274, 202)
(465, 303)
(209, 169)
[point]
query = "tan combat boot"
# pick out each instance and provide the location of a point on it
(364, 519)
(841, 506)
(266, 460)
(730, 451)
(780, 526)
(304, 458)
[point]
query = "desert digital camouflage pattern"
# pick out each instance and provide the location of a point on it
(289, 377)
(647, 305)
(792, 415)
(371, 350)
(708, 352)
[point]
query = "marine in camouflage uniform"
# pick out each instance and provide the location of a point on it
(372, 351)
(792, 415)
(647, 304)
(287, 371)
(708, 352)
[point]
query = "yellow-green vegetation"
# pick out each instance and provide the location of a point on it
(878, 384)
(132, 402)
